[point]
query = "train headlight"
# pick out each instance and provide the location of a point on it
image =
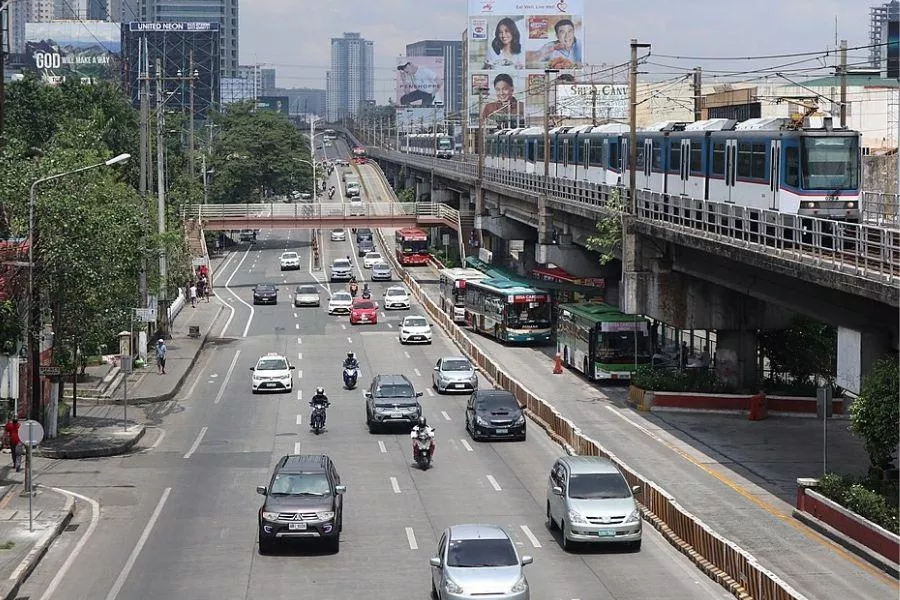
(810, 205)
(850, 205)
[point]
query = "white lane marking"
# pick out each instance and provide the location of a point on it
(494, 483)
(299, 395)
(129, 564)
(159, 439)
(238, 298)
(446, 416)
(430, 391)
(343, 326)
(297, 325)
(531, 537)
(227, 377)
(222, 301)
(196, 443)
(299, 356)
(296, 447)
(407, 354)
(299, 340)
(299, 374)
(382, 447)
(411, 538)
(416, 371)
(395, 485)
(95, 519)
(466, 445)
(299, 419)
(390, 326)
(349, 340)
(295, 315)
(383, 316)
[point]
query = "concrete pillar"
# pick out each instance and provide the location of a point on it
(423, 189)
(410, 181)
(857, 353)
(736, 357)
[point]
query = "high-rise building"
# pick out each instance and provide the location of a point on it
(452, 52)
(223, 12)
(351, 80)
(124, 11)
(879, 16)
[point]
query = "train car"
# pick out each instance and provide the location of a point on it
(795, 166)
(428, 144)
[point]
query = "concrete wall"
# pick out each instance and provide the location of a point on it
(880, 174)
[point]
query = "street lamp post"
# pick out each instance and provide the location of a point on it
(34, 313)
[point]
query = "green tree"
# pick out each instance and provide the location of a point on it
(875, 415)
(803, 350)
(608, 241)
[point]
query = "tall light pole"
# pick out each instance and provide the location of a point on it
(543, 226)
(33, 312)
(632, 138)
(312, 153)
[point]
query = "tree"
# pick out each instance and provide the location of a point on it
(875, 415)
(608, 240)
(803, 350)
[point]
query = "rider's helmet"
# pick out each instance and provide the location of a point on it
(423, 422)
(320, 391)
(351, 356)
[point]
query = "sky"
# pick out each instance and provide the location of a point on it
(294, 36)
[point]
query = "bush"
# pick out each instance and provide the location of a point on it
(659, 379)
(857, 496)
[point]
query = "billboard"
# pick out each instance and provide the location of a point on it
(420, 81)
(280, 104)
(605, 101)
(510, 45)
(87, 50)
(419, 120)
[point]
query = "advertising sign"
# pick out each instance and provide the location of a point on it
(420, 81)
(511, 43)
(87, 50)
(274, 103)
(607, 101)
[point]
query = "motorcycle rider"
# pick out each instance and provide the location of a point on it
(319, 399)
(350, 362)
(423, 426)
(366, 293)
(354, 287)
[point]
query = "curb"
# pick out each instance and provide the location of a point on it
(874, 559)
(10, 588)
(96, 451)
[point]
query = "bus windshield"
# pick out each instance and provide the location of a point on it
(413, 246)
(619, 347)
(830, 163)
(528, 314)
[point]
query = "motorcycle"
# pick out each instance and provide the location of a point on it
(422, 447)
(367, 294)
(350, 376)
(317, 419)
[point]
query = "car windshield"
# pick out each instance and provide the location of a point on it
(598, 485)
(300, 484)
(381, 267)
(337, 231)
(372, 255)
(394, 391)
(271, 364)
(415, 322)
(341, 264)
(342, 297)
(289, 255)
(364, 305)
(265, 288)
(456, 365)
(394, 292)
(481, 553)
(497, 403)
(307, 289)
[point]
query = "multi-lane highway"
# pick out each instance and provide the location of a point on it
(178, 518)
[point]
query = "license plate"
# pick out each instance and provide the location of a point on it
(270, 385)
(297, 526)
(458, 385)
(396, 415)
(364, 319)
(502, 430)
(605, 533)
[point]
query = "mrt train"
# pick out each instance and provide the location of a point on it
(425, 144)
(769, 163)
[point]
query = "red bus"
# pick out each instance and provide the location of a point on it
(412, 246)
(359, 156)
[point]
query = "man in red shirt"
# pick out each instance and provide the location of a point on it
(14, 442)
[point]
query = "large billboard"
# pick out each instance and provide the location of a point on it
(420, 81)
(510, 45)
(601, 101)
(87, 50)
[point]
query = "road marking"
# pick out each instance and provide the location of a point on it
(446, 416)
(390, 326)
(416, 371)
(129, 564)
(299, 373)
(383, 316)
(95, 519)
(531, 537)
(349, 340)
(296, 447)
(295, 315)
(343, 326)
(494, 483)
(382, 447)
(299, 340)
(430, 391)
(411, 538)
(299, 356)
(297, 325)
(227, 377)
(299, 395)
(196, 443)
(395, 485)
(406, 354)
(238, 298)
(299, 419)
(466, 445)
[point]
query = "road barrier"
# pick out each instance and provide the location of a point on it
(720, 559)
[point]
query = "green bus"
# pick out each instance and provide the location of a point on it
(508, 311)
(600, 341)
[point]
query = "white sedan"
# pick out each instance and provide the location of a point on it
(340, 303)
(395, 297)
(371, 258)
(290, 260)
(338, 235)
(415, 329)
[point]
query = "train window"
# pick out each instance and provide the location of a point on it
(596, 154)
(718, 158)
(675, 157)
(830, 163)
(639, 158)
(697, 158)
(539, 150)
(657, 158)
(792, 166)
(751, 161)
(573, 152)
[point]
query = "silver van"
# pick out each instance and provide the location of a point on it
(589, 499)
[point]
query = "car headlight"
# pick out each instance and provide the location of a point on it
(575, 517)
(257, 378)
(286, 377)
(520, 420)
(634, 517)
(481, 421)
(520, 586)
(452, 587)
(325, 515)
(270, 516)
(404, 332)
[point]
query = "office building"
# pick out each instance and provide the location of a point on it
(879, 17)
(222, 12)
(351, 81)
(452, 52)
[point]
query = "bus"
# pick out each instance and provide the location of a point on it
(359, 156)
(411, 246)
(601, 342)
(453, 290)
(508, 310)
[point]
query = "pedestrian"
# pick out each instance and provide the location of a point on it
(11, 437)
(201, 284)
(206, 288)
(161, 356)
(193, 293)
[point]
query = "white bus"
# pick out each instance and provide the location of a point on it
(453, 290)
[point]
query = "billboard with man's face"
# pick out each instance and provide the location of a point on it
(87, 50)
(510, 45)
(420, 81)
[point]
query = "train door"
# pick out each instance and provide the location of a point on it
(646, 166)
(774, 174)
(585, 168)
(624, 156)
(685, 170)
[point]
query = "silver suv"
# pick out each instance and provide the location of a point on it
(341, 269)
(589, 499)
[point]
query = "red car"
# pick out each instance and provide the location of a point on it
(363, 311)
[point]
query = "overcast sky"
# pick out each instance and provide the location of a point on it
(294, 35)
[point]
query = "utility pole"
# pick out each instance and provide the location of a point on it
(144, 82)
(593, 104)
(843, 83)
(191, 77)
(698, 94)
(479, 181)
(161, 203)
(632, 139)
(543, 211)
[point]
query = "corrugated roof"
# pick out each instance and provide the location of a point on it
(853, 80)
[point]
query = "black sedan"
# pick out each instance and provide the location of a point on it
(265, 293)
(494, 414)
(363, 247)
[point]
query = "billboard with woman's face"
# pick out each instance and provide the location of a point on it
(510, 45)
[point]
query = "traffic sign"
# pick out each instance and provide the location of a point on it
(31, 433)
(50, 370)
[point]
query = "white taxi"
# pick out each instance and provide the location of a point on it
(289, 260)
(395, 297)
(340, 303)
(272, 373)
(415, 329)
